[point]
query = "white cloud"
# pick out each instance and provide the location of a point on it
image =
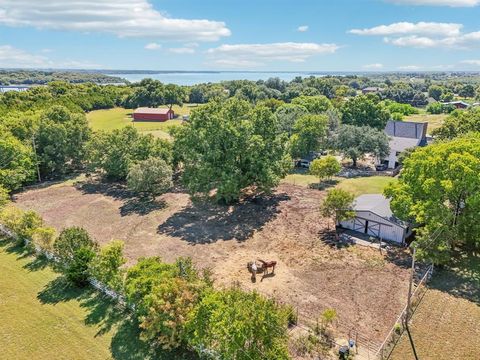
(153, 46)
(463, 41)
(407, 28)
(373, 66)
(237, 64)
(124, 18)
(182, 50)
(409, 67)
(451, 3)
(261, 53)
(423, 35)
(302, 28)
(471, 62)
(11, 57)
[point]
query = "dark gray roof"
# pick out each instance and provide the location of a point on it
(406, 129)
(377, 204)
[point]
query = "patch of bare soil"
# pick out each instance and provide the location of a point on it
(367, 289)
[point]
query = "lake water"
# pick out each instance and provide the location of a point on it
(192, 78)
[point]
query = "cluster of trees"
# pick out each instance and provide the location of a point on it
(176, 305)
(439, 189)
(39, 77)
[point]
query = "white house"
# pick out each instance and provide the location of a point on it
(374, 217)
(403, 135)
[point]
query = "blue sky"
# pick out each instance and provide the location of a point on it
(299, 35)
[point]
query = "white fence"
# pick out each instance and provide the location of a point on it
(397, 329)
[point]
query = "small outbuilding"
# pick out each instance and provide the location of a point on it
(373, 217)
(153, 114)
(458, 104)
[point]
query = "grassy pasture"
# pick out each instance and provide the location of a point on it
(118, 118)
(434, 121)
(357, 186)
(43, 318)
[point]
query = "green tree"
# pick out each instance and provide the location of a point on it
(287, 116)
(459, 123)
(16, 162)
(325, 167)
(4, 197)
(309, 134)
(163, 296)
(239, 325)
(365, 110)
(439, 189)
(468, 90)
(313, 104)
(61, 140)
(436, 91)
(112, 153)
(175, 95)
(338, 205)
(229, 147)
(356, 141)
(106, 266)
(151, 177)
(75, 250)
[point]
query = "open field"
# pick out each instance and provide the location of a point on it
(446, 324)
(311, 273)
(357, 186)
(43, 318)
(434, 121)
(118, 118)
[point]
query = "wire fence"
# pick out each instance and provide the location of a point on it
(391, 340)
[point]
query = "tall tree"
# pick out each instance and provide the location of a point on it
(365, 111)
(313, 104)
(439, 189)
(309, 134)
(229, 147)
(355, 142)
(338, 205)
(151, 177)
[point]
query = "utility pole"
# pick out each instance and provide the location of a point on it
(36, 158)
(409, 305)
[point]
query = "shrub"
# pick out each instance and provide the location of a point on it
(78, 271)
(75, 250)
(44, 237)
(150, 177)
(22, 223)
(325, 167)
(106, 266)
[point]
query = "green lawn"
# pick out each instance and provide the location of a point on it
(434, 121)
(43, 318)
(357, 186)
(366, 185)
(118, 118)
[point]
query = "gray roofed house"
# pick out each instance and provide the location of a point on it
(404, 135)
(374, 217)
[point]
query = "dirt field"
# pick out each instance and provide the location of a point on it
(367, 289)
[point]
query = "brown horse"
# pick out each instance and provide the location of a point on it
(268, 264)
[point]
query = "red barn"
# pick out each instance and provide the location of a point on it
(153, 114)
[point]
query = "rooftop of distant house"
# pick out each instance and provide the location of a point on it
(146, 110)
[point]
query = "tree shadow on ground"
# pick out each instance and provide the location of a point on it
(132, 204)
(206, 222)
(39, 262)
(461, 278)
(324, 185)
(328, 237)
(105, 314)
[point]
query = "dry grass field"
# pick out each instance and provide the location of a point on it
(446, 324)
(367, 289)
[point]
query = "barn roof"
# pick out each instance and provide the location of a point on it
(377, 204)
(146, 110)
(404, 134)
